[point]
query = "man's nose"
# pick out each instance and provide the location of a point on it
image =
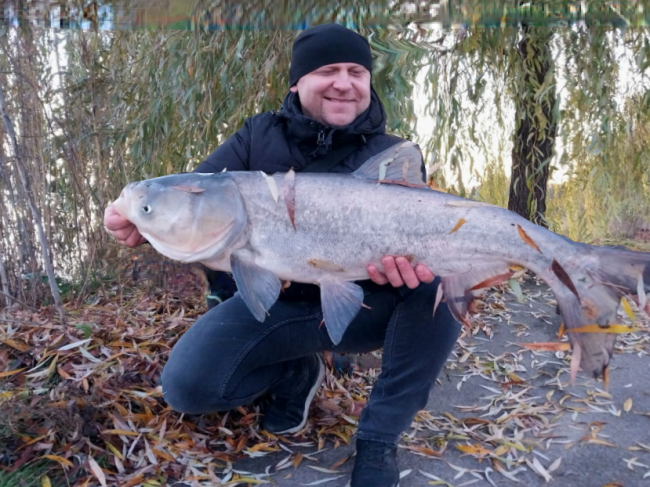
(342, 81)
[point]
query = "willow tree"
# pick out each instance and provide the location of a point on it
(536, 120)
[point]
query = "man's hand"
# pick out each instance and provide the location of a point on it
(399, 272)
(122, 229)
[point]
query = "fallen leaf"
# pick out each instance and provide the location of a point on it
(627, 308)
(323, 481)
(606, 329)
(627, 405)
(11, 372)
(289, 194)
(547, 346)
(473, 450)
(20, 346)
(524, 236)
(273, 187)
(97, 471)
(460, 223)
(63, 461)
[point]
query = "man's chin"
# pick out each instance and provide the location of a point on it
(339, 120)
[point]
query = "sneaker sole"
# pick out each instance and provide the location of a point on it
(312, 393)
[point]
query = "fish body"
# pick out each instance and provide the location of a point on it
(325, 229)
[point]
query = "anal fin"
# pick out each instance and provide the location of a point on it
(341, 301)
(459, 289)
(259, 288)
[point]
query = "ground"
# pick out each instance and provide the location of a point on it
(82, 402)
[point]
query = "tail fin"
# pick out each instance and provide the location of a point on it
(610, 273)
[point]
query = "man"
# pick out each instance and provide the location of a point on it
(331, 120)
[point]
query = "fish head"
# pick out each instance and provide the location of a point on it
(186, 217)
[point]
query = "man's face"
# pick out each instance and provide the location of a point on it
(335, 94)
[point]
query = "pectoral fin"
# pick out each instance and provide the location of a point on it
(341, 301)
(258, 287)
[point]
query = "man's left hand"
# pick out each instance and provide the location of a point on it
(400, 272)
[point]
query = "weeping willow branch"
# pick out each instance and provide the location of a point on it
(49, 269)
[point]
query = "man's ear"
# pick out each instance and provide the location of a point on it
(294, 89)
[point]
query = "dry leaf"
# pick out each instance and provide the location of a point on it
(547, 346)
(608, 329)
(97, 471)
(289, 194)
(627, 405)
(273, 187)
(460, 223)
(524, 236)
(627, 308)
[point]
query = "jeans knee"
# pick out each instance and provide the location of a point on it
(186, 392)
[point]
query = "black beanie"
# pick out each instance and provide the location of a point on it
(327, 44)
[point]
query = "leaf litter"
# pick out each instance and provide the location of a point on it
(92, 405)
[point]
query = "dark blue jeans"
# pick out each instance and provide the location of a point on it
(227, 358)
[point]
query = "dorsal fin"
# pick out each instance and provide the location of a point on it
(401, 163)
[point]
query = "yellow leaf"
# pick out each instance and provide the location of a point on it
(61, 460)
(120, 432)
(249, 480)
(460, 223)
(627, 405)
(473, 450)
(627, 308)
(501, 450)
(598, 441)
(263, 447)
(115, 451)
(11, 372)
(515, 446)
(607, 329)
(45, 481)
(297, 459)
(20, 346)
(163, 454)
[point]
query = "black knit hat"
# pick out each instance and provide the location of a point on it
(327, 44)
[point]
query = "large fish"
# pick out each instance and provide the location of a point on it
(326, 228)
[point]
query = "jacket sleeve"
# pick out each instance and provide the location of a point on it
(233, 154)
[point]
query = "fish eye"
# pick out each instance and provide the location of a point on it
(146, 209)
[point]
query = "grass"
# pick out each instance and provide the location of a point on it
(30, 475)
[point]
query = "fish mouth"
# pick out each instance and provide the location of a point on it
(120, 205)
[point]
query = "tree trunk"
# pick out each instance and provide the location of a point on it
(536, 125)
(32, 205)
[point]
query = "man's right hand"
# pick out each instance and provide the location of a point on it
(122, 229)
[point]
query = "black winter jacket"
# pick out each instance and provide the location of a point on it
(278, 141)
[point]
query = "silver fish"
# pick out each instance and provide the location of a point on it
(326, 228)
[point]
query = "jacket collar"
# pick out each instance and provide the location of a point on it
(314, 138)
